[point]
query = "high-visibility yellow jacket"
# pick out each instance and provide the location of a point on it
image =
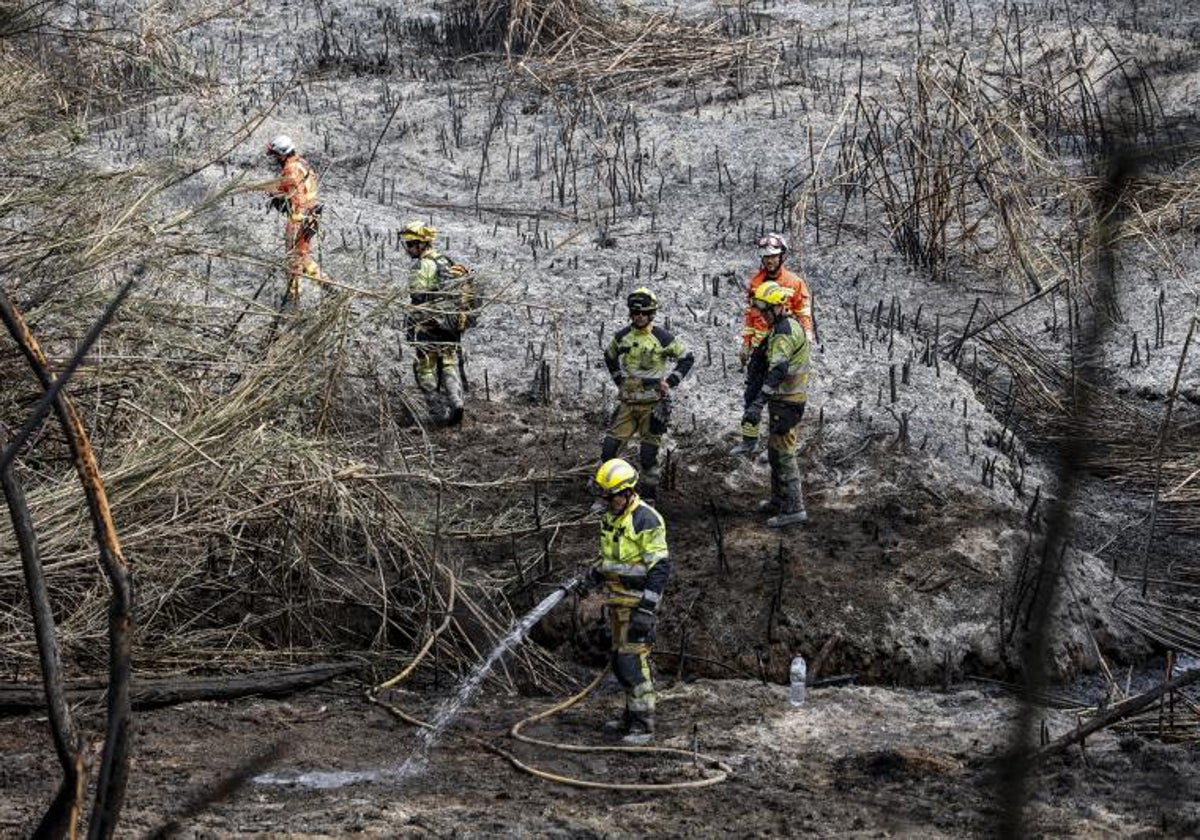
(787, 350)
(754, 325)
(633, 555)
(423, 284)
(442, 297)
(637, 359)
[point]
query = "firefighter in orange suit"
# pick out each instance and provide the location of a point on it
(294, 194)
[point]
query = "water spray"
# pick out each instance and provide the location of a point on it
(447, 712)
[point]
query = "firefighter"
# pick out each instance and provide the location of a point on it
(435, 324)
(772, 252)
(784, 356)
(636, 359)
(294, 194)
(633, 569)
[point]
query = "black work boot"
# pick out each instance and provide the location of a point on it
(792, 517)
(618, 725)
(745, 447)
(641, 731)
(770, 506)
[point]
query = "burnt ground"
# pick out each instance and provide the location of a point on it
(901, 575)
(894, 582)
(857, 761)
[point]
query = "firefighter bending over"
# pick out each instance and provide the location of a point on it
(772, 253)
(442, 297)
(633, 569)
(783, 355)
(637, 360)
(294, 194)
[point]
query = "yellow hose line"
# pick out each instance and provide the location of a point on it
(723, 769)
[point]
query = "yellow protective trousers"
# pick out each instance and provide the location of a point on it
(784, 417)
(436, 362)
(631, 665)
(648, 422)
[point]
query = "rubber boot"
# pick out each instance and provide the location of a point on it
(648, 454)
(791, 508)
(770, 506)
(454, 391)
(610, 448)
(618, 725)
(641, 731)
(782, 520)
(746, 447)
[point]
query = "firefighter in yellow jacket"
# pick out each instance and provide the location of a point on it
(294, 194)
(784, 390)
(772, 253)
(437, 320)
(633, 569)
(637, 359)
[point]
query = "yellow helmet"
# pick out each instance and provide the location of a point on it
(614, 476)
(642, 299)
(771, 293)
(418, 231)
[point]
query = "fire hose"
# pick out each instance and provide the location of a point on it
(722, 770)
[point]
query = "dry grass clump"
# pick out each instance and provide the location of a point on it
(979, 160)
(573, 42)
(254, 537)
(251, 459)
(261, 501)
(994, 163)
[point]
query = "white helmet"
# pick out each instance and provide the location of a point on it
(281, 145)
(772, 244)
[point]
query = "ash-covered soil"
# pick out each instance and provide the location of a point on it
(853, 761)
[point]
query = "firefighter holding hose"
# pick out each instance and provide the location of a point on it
(633, 569)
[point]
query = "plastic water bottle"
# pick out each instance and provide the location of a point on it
(799, 674)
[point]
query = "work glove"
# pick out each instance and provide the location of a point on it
(592, 580)
(664, 387)
(752, 415)
(743, 357)
(642, 624)
(278, 203)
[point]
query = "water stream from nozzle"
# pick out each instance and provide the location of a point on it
(443, 717)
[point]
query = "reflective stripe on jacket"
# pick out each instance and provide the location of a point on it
(787, 351)
(633, 555)
(754, 325)
(637, 358)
